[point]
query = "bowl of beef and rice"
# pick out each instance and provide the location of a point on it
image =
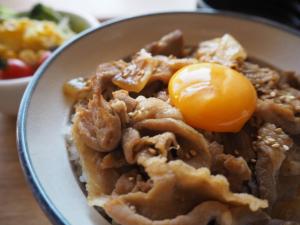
(192, 121)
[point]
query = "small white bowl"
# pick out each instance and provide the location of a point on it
(11, 90)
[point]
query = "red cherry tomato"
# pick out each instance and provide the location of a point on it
(44, 56)
(16, 68)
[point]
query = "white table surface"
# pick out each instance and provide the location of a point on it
(108, 8)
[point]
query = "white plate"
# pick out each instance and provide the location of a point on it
(44, 111)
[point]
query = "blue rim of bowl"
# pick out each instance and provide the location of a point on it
(43, 199)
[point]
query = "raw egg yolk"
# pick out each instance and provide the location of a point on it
(213, 97)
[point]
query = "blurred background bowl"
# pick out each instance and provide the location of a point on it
(11, 90)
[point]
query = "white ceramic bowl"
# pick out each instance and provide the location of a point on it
(11, 90)
(45, 112)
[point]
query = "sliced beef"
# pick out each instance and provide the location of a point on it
(264, 79)
(120, 108)
(132, 182)
(123, 95)
(162, 95)
(185, 190)
(291, 165)
(122, 104)
(288, 210)
(100, 181)
(126, 182)
(281, 106)
(137, 73)
(102, 81)
(291, 79)
(145, 68)
(170, 44)
(203, 214)
(287, 96)
(151, 89)
(153, 108)
(131, 138)
(282, 222)
(291, 97)
(98, 125)
(288, 186)
(240, 143)
(243, 216)
(167, 66)
(224, 50)
(235, 169)
(200, 146)
(272, 145)
(113, 160)
(133, 144)
(281, 115)
(78, 88)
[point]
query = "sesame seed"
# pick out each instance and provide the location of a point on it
(152, 151)
(285, 147)
(278, 129)
(132, 207)
(253, 160)
(282, 97)
(193, 152)
(276, 145)
(282, 136)
(273, 94)
(271, 139)
(259, 137)
(131, 178)
(187, 155)
(236, 152)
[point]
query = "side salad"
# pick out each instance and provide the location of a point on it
(27, 39)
